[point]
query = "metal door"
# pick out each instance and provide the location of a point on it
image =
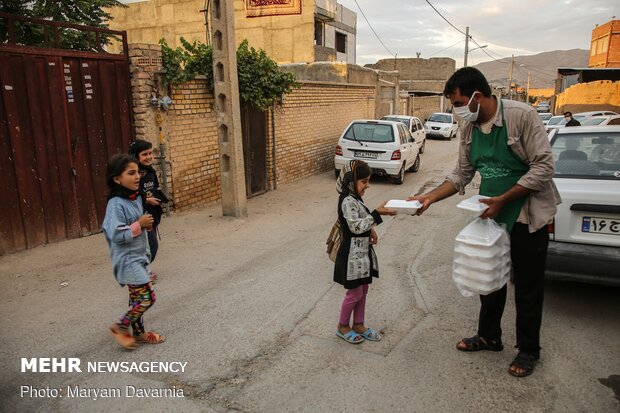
(62, 115)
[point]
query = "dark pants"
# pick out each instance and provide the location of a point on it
(528, 254)
(153, 236)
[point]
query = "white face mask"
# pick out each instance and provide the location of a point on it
(463, 112)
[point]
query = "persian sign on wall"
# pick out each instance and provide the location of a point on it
(260, 8)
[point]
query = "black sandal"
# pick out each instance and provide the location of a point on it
(524, 361)
(477, 343)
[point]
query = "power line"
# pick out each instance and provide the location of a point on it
(478, 44)
(449, 47)
(441, 15)
(373, 30)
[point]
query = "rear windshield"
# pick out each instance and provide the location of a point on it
(370, 132)
(557, 120)
(438, 117)
(405, 121)
(587, 155)
(592, 121)
(545, 116)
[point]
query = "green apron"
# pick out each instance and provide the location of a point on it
(499, 168)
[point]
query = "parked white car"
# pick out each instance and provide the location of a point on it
(585, 236)
(601, 120)
(441, 125)
(545, 117)
(388, 148)
(415, 127)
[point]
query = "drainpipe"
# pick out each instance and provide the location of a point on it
(162, 157)
(273, 144)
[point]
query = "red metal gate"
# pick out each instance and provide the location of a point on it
(62, 115)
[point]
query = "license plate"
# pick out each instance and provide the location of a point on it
(367, 155)
(600, 225)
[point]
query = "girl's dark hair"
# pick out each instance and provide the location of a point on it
(138, 146)
(360, 170)
(467, 80)
(116, 166)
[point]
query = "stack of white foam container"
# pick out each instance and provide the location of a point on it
(481, 258)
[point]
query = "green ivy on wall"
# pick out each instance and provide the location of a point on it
(261, 83)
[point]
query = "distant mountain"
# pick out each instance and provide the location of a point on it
(542, 66)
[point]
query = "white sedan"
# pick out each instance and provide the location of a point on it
(585, 236)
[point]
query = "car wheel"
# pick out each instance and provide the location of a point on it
(423, 146)
(399, 179)
(416, 165)
(337, 172)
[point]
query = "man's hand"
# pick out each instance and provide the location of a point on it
(424, 200)
(495, 204)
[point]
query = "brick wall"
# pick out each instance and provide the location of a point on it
(193, 146)
(309, 124)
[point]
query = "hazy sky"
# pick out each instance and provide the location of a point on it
(522, 27)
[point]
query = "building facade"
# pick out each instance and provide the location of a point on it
(290, 31)
(605, 45)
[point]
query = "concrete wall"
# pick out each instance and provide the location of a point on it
(286, 38)
(584, 97)
(437, 69)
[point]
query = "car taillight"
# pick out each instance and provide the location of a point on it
(338, 150)
(396, 155)
(551, 229)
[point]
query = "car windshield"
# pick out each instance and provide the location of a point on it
(545, 116)
(587, 155)
(557, 120)
(592, 121)
(401, 120)
(441, 118)
(370, 132)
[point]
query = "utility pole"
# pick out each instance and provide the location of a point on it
(466, 46)
(527, 90)
(228, 114)
(512, 63)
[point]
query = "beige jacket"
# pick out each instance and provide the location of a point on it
(528, 140)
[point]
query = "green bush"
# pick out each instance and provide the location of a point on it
(261, 83)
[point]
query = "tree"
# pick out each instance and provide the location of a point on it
(83, 12)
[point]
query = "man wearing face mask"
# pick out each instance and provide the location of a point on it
(505, 141)
(570, 121)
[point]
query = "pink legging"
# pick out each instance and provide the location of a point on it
(354, 302)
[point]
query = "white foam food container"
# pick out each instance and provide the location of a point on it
(473, 205)
(404, 207)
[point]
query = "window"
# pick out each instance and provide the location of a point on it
(341, 42)
(369, 132)
(318, 33)
(593, 48)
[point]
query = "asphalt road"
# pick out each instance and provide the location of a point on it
(250, 307)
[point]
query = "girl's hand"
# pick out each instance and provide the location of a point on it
(374, 237)
(153, 201)
(146, 221)
(382, 210)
